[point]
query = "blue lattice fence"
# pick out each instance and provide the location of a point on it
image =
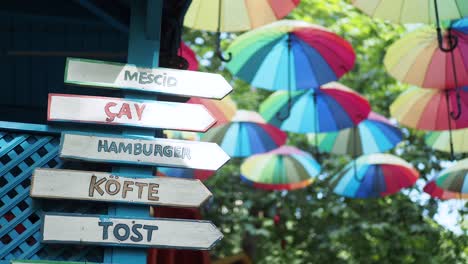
(20, 216)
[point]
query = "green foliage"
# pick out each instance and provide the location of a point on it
(315, 225)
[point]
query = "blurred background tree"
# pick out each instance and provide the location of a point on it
(314, 225)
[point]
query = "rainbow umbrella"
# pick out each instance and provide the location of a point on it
(430, 109)
(184, 173)
(189, 55)
(413, 11)
(330, 108)
(435, 191)
(223, 110)
(246, 134)
(374, 175)
(416, 11)
(454, 178)
(440, 140)
(292, 55)
(285, 168)
(417, 60)
(373, 135)
(233, 16)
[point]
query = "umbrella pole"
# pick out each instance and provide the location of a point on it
(316, 126)
(278, 115)
(449, 123)
(452, 44)
(218, 51)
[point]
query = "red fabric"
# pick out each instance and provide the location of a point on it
(171, 256)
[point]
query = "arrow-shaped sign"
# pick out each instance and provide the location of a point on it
(147, 151)
(113, 231)
(160, 80)
(101, 186)
(139, 113)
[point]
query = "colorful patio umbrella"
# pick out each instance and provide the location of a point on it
(245, 135)
(330, 108)
(440, 140)
(429, 109)
(233, 16)
(417, 60)
(416, 11)
(435, 191)
(223, 110)
(373, 135)
(290, 54)
(188, 54)
(285, 168)
(185, 173)
(454, 178)
(374, 175)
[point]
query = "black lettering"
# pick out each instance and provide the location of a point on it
(117, 233)
(102, 146)
(150, 229)
(125, 148)
(105, 229)
(131, 77)
(135, 230)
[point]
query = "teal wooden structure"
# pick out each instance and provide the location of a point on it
(37, 36)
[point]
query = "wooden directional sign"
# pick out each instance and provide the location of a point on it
(100, 186)
(118, 231)
(147, 151)
(139, 113)
(160, 80)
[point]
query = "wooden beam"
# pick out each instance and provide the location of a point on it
(107, 11)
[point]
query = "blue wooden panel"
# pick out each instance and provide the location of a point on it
(20, 216)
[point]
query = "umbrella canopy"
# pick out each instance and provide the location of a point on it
(246, 134)
(285, 168)
(185, 173)
(435, 191)
(330, 108)
(291, 55)
(373, 135)
(416, 59)
(187, 53)
(223, 110)
(413, 11)
(374, 175)
(427, 109)
(454, 178)
(440, 140)
(233, 16)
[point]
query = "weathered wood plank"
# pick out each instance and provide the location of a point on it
(146, 151)
(128, 112)
(118, 231)
(101, 186)
(113, 75)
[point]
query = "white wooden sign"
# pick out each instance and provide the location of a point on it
(160, 80)
(117, 231)
(118, 111)
(100, 186)
(147, 151)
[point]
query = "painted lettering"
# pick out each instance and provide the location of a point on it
(110, 115)
(125, 111)
(139, 110)
(131, 77)
(94, 186)
(149, 78)
(123, 232)
(136, 149)
(102, 146)
(152, 189)
(113, 186)
(125, 148)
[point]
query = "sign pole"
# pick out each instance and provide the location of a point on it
(143, 50)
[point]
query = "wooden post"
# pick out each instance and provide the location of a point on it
(143, 52)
